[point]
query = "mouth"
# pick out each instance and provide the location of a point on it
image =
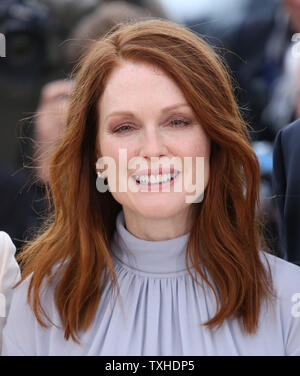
(156, 181)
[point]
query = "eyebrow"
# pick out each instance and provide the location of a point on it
(132, 114)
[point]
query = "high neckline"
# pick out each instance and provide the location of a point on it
(154, 257)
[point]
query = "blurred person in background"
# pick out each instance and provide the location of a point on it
(298, 93)
(96, 24)
(33, 57)
(49, 123)
(286, 186)
(258, 51)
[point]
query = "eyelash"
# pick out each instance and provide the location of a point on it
(186, 123)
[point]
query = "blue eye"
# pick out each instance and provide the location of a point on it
(186, 123)
(121, 129)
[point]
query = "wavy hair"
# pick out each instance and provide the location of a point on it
(225, 238)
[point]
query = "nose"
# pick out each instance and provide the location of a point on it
(153, 144)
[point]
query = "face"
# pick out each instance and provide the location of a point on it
(293, 9)
(143, 111)
(294, 4)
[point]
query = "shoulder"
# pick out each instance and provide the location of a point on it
(19, 328)
(285, 275)
(291, 129)
(289, 136)
(22, 299)
(9, 269)
(23, 334)
(286, 283)
(286, 155)
(6, 245)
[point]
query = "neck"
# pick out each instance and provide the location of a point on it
(158, 228)
(150, 257)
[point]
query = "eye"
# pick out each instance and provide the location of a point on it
(123, 129)
(182, 123)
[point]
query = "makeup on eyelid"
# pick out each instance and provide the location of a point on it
(183, 121)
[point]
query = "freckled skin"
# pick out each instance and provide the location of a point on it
(145, 90)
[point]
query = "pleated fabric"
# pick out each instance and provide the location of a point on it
(160, 311)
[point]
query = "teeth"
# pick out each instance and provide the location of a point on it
(155, 179)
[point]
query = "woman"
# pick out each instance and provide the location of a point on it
(191, 274)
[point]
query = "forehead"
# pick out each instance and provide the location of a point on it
(140, 83)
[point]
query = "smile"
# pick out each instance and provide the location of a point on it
(155, 179)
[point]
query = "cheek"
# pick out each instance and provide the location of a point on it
(199, 145)
(109, 146)
(204, 144)
(120, 153)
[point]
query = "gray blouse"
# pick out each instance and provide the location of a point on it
(161, 310)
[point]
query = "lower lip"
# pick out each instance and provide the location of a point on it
(159, 186)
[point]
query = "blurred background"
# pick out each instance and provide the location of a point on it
(44, 39)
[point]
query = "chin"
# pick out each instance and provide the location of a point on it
(158, 208)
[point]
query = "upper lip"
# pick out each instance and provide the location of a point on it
(158, 171)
